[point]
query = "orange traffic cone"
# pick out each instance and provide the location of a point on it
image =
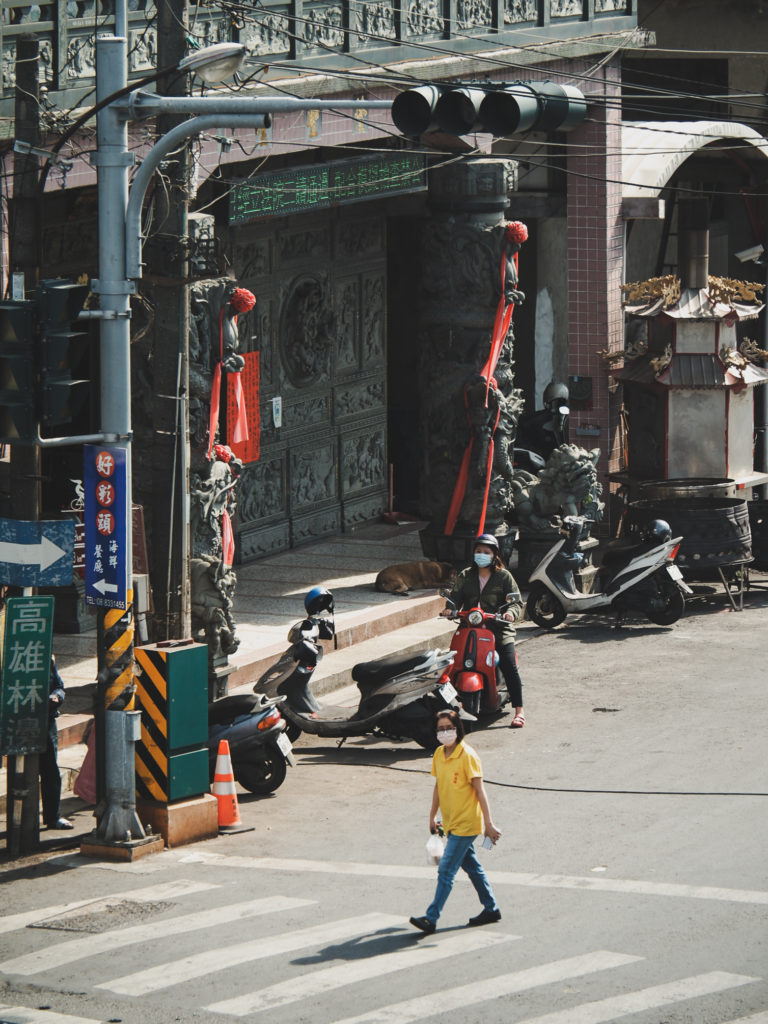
(224, 791)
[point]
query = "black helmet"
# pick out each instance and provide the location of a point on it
(489, 540)
(318, 599)
(659, 530)
(554, 392)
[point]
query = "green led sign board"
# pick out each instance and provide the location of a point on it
(318, 187)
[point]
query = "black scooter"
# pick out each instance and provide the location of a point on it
(258, 745)
(399, 695)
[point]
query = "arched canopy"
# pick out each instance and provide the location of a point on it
(653, 150)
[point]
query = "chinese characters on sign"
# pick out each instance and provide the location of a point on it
(320, 186)
(26, 674)
(105, 515)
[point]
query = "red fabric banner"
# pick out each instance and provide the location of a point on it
(243, 416)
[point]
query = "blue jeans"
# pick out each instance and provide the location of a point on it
(460, 853)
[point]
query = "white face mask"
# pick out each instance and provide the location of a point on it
(483, 560)
(447, 737)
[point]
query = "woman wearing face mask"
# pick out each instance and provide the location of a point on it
(460, 796)
(485, 584)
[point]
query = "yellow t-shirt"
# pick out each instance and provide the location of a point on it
(459, 805)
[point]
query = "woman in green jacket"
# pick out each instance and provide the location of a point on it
(487, 584)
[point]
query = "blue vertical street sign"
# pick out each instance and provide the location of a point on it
(37, 554)
(105, 483)
(26, 675)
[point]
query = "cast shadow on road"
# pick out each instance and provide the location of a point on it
(378, 943)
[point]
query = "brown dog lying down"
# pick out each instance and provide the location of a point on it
(399, 579)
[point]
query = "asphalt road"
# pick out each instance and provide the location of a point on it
(631, 872)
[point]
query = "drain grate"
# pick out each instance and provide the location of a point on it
(102, 916)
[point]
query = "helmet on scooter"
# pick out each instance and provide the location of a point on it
(659, 530)
(318, 599)
(555, 392)
(488, 540)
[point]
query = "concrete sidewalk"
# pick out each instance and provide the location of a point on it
(270, 598)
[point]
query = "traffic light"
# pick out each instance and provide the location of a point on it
(499, 110)
(18, 421)
(65, 352)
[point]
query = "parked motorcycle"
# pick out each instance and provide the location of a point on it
(475, 673)
(258, 745)
(399, 694)
(641, 577)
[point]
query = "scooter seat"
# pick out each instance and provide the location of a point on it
(620, 554)
(374, 673)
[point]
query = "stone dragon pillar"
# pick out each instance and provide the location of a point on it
(462, 248)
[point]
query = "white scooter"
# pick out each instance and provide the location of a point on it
(642, 577)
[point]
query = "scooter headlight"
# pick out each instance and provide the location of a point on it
(475, 618)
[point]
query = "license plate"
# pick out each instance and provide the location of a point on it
(285, 745)
(674, 572)
(448, 692)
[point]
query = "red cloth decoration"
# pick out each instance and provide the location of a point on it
(227, 539)
(248, 383)
(243, 300)
(515, 233)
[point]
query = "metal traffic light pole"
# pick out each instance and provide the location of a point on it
(120, 267)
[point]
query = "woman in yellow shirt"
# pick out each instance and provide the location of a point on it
(460, 796)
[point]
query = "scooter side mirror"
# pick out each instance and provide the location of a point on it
(446, 593)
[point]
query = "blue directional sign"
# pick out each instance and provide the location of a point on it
(105, 512)
(37, 554)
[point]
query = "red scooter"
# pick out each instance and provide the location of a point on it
(474, 673)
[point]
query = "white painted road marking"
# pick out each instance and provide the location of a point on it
(644, 999)
(444, 1000)
(223, 957)
(310, 986)
(57, 955)
(167, 891)
(23, 1015)
(618, 885)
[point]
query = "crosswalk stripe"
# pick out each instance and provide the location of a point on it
(153, 893)
(644, 999)
(500, 878)
(24, 1015)
(57, 955)
(317, 983)
(446, 999)
(586, 1013)
(200, 964)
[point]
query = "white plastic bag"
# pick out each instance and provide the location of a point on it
(435, 847)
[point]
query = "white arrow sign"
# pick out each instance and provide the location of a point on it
(105, 588)
(42, 554)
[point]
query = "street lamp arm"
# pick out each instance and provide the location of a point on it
(142, 105)
(168, 144)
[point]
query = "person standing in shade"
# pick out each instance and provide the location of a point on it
(459, 795)
(50, 777)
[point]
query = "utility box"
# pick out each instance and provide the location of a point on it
(172, 689)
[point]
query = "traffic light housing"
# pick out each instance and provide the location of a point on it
(18, 419)
(65, 360)
(498, 110)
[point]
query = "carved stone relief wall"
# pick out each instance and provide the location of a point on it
(320, 329)
(520, 10)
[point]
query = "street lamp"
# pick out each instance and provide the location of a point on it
(120, 267)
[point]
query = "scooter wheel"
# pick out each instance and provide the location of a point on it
(673, 608)
(263, 775)
(543, 607)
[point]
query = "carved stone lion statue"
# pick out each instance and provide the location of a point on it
(567, 486)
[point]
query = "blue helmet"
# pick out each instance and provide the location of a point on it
(318, 599)
(489, 540)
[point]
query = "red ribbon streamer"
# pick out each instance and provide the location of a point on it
(501, 326)
(240, 428)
